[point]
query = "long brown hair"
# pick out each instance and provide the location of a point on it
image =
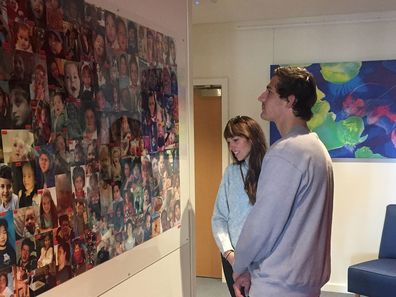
(244, 126)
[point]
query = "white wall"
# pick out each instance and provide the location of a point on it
(163, 265)
(243, 52)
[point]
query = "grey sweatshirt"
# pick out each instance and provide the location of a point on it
(285, 241)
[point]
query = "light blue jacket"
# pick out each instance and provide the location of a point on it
(231, 208)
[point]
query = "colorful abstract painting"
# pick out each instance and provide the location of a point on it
(355, 114)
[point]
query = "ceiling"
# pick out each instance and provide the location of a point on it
(223, 11)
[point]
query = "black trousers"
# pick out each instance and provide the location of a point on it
(227, 268)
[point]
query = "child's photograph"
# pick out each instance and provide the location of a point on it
(7, 240)
(48, 209)
(23, 37)
(78, 182)
(39, 85)
(17, 145)
(26, 222)
(21, 109)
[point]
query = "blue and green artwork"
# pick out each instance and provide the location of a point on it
(355, 114)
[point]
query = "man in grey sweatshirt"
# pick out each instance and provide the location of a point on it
(284, 246)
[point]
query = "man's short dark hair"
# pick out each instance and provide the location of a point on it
(299, 82)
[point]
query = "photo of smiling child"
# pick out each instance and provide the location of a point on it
(23, 37)
(17, 145)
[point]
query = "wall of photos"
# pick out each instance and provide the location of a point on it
(89, 125)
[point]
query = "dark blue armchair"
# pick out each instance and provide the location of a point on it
(377, 278)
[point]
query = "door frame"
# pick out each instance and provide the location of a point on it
(223, 83)
(225, 156)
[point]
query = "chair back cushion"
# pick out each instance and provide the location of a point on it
(388, 240)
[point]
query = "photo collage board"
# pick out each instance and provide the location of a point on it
(89, 146)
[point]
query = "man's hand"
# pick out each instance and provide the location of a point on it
(241, 281)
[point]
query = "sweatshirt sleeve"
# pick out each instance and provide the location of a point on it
(220, 216)
(277, 188)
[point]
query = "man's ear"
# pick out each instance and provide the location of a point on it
(291, 100)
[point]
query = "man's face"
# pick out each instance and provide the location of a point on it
(5, 190)
(272, 106)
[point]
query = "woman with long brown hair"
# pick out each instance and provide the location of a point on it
(237, 191)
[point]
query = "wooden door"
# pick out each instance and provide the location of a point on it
(207, 142)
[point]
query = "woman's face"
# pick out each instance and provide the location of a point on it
(44, 163)
(28, 177)
(46, 204)
(240, 147)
